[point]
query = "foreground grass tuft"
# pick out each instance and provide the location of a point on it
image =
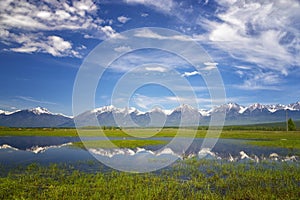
(191, 179)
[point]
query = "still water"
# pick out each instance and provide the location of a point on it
(23, 150)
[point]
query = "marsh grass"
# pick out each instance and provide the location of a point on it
(189, 179)
(281, 143)
(281, 139)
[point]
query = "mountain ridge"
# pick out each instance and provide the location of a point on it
(129, 116)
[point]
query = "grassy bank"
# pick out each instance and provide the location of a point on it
(282, 139)
(147, 132)
(189, 179)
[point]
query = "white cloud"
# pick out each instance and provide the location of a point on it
(208, 66)
(211, 63)
(162, 5)
(123, 49)
(134, 59)
(144, 14)
(156, 69)
(31, 99)
(259, 80)
(34, 21)
(110, 32)
(147, 33)
(25, 49)
(187, 74)
(51, 15)
(148, 102)
(54, 45)
(257, 32)
(242, 67)
(123, 19)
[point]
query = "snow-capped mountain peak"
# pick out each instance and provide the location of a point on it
(256, 106)
(39, 111)
(294, 106)
(157, 109)
(229, 107)
(103, 109)
(185, 108)
(129, 110)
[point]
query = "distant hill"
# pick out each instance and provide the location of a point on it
(36, 117)
(184, 115)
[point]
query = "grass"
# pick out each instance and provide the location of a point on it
(282, 139)
(118, 143)
(281, 143)
(190, 179)
(55, 132)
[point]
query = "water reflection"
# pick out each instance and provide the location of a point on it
(17, 150)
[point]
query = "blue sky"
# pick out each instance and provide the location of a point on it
(43, 44)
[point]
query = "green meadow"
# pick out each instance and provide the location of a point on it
(189, 179)
(268, 138)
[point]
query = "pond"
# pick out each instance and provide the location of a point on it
(24, 150)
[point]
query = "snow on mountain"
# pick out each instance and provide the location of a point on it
(39, 111)
(204, 112)
(256, 106)
(294, 106)
(242, 109)
(277, 107)
(7, 112)
(159, 110)
(113, 109)
(185, 108)
(36, 111)
(103, 109)
(229, 107)
(130, 110)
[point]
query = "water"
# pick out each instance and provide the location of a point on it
(17, 150)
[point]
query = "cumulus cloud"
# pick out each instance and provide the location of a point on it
(54, 45)
(33, 21)
(123, 19)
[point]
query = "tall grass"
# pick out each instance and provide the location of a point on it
(190, 179)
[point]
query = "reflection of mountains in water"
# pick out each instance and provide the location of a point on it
(204, 153)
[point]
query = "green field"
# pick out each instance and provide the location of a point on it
(189, 179)
(282, 139)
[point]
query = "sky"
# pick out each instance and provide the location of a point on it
(254, 45)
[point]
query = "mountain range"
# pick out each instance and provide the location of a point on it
(132, 117)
